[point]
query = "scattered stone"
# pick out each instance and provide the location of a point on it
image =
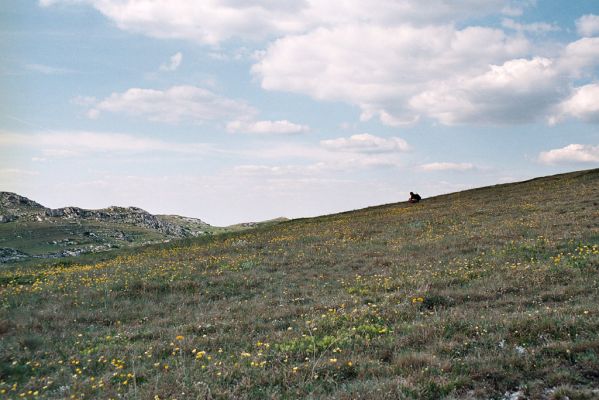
(520, 350)
(7, 218)
(13, 206)
(8, 255)
(239, 243)
(517, 395)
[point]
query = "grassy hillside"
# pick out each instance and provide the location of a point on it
(49, 238)
(488, 293)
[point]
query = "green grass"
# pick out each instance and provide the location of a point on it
(470, 295)
(37, 238)
(50, 237)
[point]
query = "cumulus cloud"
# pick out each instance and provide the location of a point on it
(366, 143)
(572, 153)
(398, 12)
(74, 144)
(207, 22)
(517, 91)
(175, 104)
(380, 68)
(214, 21)
(401, 73)
(588, 25)
(341, 154)
(266, 127)
(446, 166)
(580, 56)
(396, 60)
(582, 104)
(173, 63)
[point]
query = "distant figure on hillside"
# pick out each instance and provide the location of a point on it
(414, 198)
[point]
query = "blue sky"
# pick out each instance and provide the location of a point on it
(234, 111)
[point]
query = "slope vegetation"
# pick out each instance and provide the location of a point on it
(488, 293)
(28, 229)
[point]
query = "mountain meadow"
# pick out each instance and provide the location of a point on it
(489, 293)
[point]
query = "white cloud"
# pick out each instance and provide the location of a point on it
(266, 127)
(515, 92)
(399, 12)
(536, 27)
(341, 154)
(208, 22)
(588, 25)
(215, 21)
(366, 143)
(580, 56)
(175, 104)
(446, 166)
(582, 104)
(396, 60)
(379, 68)
(399, 74)
(74, 144)
(572, 153)
(173, 63)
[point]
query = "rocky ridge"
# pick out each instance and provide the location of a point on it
(14, 207)
(30, 230)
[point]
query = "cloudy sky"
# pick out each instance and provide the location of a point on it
(245, 110)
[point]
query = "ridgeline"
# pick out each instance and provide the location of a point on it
(486, 293)
(31, 232)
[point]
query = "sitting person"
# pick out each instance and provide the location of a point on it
(414, 198)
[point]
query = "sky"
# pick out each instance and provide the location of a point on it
(234, 111)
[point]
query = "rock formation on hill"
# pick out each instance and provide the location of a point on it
(14, 207)
(30, 230)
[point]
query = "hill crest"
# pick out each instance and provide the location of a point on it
(15, 207)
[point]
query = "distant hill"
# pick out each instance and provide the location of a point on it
(18, 208)
(28, 229)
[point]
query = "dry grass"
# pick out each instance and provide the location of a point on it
(470, 295)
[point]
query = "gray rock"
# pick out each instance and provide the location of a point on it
(7, 255)
(13, 200)
(13, 206)
(7, 218)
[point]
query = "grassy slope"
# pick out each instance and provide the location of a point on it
(36, 238)
(468, 295)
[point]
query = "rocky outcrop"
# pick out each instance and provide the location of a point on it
(7, 218)
(10, 255)
(13, 201)
(119, 215)
(14, 207)
(190, 226)
(47, 233)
